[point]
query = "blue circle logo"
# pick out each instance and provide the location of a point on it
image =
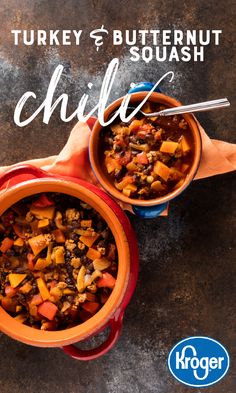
(198, 361)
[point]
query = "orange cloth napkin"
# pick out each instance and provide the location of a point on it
(217, 157)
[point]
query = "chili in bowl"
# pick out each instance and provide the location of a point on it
(58, 261)
(149, 160)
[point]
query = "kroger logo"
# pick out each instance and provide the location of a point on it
(198, 361)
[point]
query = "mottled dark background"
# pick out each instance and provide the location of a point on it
(187, 283)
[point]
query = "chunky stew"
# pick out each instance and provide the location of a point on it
(58, 261)
(148, 157)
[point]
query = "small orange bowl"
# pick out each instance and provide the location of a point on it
(95, 150)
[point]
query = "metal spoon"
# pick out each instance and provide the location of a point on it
(200, 107)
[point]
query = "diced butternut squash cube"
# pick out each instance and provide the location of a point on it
(59, 236)
(112, 164)
(161, 170)
(43, 212)
(131, 187)
(93, 254)
(80, 279)
(123, 183)
(101, 264)
(126, 192)
(59, 255)
(43, 290)
(43, 223)
(184, 145)
(131, 167)
(157, 186)
(88, 240)
(19, 242)
(26, 288)
(16, 279)
(86, 223)
(168, 147)
(41, 264)
(37, 244)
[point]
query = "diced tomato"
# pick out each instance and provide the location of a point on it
(7, 243)
(125, 159)
(30, 258)
(9, 291)
(146, 127)
(43, 201)
(47, 310)
(142, 158)
(91, 307)
(107, 281)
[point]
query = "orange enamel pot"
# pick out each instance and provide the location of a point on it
(25, 180)
(152, 207)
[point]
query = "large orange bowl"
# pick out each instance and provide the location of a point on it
(26, 181)
(95, 149)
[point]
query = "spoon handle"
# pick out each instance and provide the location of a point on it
(200, 107)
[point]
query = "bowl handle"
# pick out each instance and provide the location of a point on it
(150, 211)
(115, 324)
(24, 169)
(143, 86)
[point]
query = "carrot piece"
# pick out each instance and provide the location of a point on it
(30, 258)
(142, 158)
(36, 300)
(107, 280)
(37, 244)
(7, 243)
(10, 291)
(91, 307)
(43, 201)
(93, 254)
(59, 236)
(48, 310)
(168, 147)
(161, 170)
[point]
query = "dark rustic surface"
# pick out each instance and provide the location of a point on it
(187, 280)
